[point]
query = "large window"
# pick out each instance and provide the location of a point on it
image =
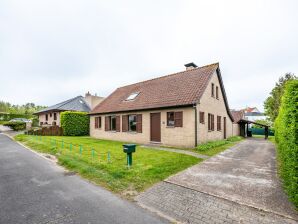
(113, 123)
(210, 122)
(218, 123)
(132, 122)
(175, 119)
(97, 122)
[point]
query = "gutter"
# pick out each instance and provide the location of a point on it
(196, 124)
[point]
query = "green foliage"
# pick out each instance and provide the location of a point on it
(16, 125)
(214, 147)
(8, 117)
(265, 122)
(272, 103)
(75, 123)
(286, 133)
(28, 108)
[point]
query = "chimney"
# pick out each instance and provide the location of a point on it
(190, 66)
(93, 101)
(87, 94)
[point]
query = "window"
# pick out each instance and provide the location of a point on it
(132, 96)
(170, 119)
(212, 89)
(210, 122)
(216, 92)
(54, 123)
(132, 122)
(41, 123)
(97, 122)
(55, 116)
(50, 114)
(113, 123)
(218, 123)
(175, 119)
(202, 117)
(47, 117)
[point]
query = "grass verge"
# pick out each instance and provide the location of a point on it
(215, 147)
(106, 163)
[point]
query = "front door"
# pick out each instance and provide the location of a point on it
(155, 127)
(225, 128)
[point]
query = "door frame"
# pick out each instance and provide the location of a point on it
(151, 129)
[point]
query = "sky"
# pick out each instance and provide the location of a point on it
(53, 50)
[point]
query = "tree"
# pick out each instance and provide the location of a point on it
(265, 122)
(272, 103)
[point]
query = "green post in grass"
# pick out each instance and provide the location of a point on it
(81, 150)
(109, 156)
(62, 144)
(70, 147)
(93, 154)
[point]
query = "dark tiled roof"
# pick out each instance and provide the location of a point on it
(237, 115)
(178, 89)
(75, 104)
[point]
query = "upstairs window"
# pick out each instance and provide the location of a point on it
(216, 92)
(202, 117)
(132, 96)
(212, 89)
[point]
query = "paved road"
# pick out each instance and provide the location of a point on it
(238, 185)
(35, 190)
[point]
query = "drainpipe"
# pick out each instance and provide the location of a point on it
(196, 124)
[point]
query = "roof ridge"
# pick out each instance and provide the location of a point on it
(172, 74)
(67, 101)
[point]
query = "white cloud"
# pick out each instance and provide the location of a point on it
(54, 50)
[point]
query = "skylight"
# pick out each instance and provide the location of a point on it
(132, 96)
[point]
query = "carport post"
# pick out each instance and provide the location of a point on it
(266, 132)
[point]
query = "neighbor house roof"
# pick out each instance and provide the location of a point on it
(178, 89)
(237, 115)
(75, 104)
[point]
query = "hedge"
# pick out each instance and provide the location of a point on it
(74, 123)
(286, 136)
(16, 125)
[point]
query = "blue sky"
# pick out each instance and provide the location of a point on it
(53, 50)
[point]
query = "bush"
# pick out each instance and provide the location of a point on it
(16, 125)
(75, 123)
(286, 133)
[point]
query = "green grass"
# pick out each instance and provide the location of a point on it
(215, 147)
(2, 122)
(270, 138)
(149, 166)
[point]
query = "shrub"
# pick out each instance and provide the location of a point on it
(286, 132)
(75, 123)
(16, 125)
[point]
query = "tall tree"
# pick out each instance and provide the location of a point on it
(272, 103)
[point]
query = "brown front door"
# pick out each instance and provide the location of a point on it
(225, 128)
(155, 127)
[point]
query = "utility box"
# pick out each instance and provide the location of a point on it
(129, 149)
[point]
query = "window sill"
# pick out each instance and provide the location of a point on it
(131, 132)
(202, 122)
(170, 126)
(112, 131)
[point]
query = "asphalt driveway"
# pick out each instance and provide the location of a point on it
(35, 190)
(238, 185)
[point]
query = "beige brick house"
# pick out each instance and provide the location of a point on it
(181, 109)
(51, 115)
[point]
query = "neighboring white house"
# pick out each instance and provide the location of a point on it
(253, 114)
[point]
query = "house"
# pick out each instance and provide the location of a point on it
(182, 109)
(238, 115)
(253, 114)
(51, 115)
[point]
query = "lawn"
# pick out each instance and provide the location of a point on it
(215, 147)
(103, 162)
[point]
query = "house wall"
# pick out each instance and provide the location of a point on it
(236, 129)
(171, 136)
(42, 118)
(209, 104)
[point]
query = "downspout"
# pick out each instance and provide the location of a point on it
(196, 124)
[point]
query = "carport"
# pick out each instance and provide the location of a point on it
(244, 128)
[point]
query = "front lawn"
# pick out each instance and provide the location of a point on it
(104, 162)
(215, 147)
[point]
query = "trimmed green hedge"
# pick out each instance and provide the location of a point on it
(286, 136)
(16, 125)
(75, 123)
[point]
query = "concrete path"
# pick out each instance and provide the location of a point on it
(181, 151)
(36, 190)
(238, 185)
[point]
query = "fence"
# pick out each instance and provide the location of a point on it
(68, 148)
(51, 131)
(260, 131)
